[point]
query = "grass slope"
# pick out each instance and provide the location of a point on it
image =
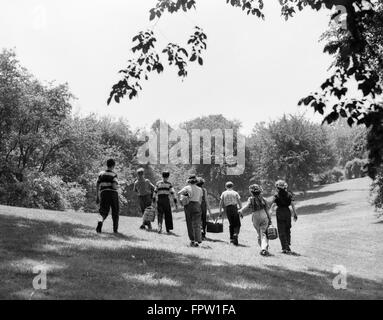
(336, 227)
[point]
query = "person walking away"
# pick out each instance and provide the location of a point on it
(107, 196)
(193, 210)
(230, 201)
(282, 201)
(144, 190)
(260, 216)
(162, 193)
(205, 207)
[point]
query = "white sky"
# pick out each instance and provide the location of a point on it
(254, 70)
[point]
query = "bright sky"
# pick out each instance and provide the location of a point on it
(254, 70)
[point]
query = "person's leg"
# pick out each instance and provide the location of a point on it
(229, 216)
(256, 227)
(281, 225)
(105, 203)
(189, 222)
(236, 224)
(263, 235)
(160, 216)
(288, 234)
(203, 221)
(168, 216)
(141, 202)
(115, 204)
(196, 223)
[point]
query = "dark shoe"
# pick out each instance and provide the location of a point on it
(149, 226)
(115, 231)
(284, 251)
(99, 227)
(142, 227)
(264, 253)
(235, 241)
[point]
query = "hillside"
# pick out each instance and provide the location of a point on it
(336, 226)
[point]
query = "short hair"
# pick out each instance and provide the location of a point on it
(140, 171)
(165, 174)
(229, 184)
(110, 163)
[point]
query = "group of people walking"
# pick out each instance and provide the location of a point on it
(194, 198)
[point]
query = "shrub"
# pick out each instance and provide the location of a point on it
(48, 193)
(39, 190)
(331, 176)
(355, 169)
(75, 196)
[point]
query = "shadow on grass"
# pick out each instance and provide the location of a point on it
(316, 194)
(317, 208)
(86, 269)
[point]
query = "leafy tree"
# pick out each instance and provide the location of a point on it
(291, 148)
(348, 142)
(216, 172)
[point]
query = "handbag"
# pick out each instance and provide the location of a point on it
(149, 214)
(184, 199)
(214, 226)
(272, 232)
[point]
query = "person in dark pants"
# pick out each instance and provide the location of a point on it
(205, 207)
(282, 201)
(107, 196)
(144, 189)
(193, 210)
(162, 193)
(230, 201)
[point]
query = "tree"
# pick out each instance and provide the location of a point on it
(356, 46)
(293, 149)
(348, 142)
(213, 168)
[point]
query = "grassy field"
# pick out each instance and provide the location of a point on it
(336, 227)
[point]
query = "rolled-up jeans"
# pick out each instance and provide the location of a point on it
(193, 220)
(261, 223)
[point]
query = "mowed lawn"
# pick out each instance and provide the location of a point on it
(336, 227)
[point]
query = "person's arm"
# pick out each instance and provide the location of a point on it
(115, 183)
(272, 208)
(239, 201)
(207, 201)
(246, 207)
(155, 194)
(152, 187)
(294, 211)
(267, 210)
(221, 204)
(183, 191)
(98, 192)
(173, 194)
(135, 190)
